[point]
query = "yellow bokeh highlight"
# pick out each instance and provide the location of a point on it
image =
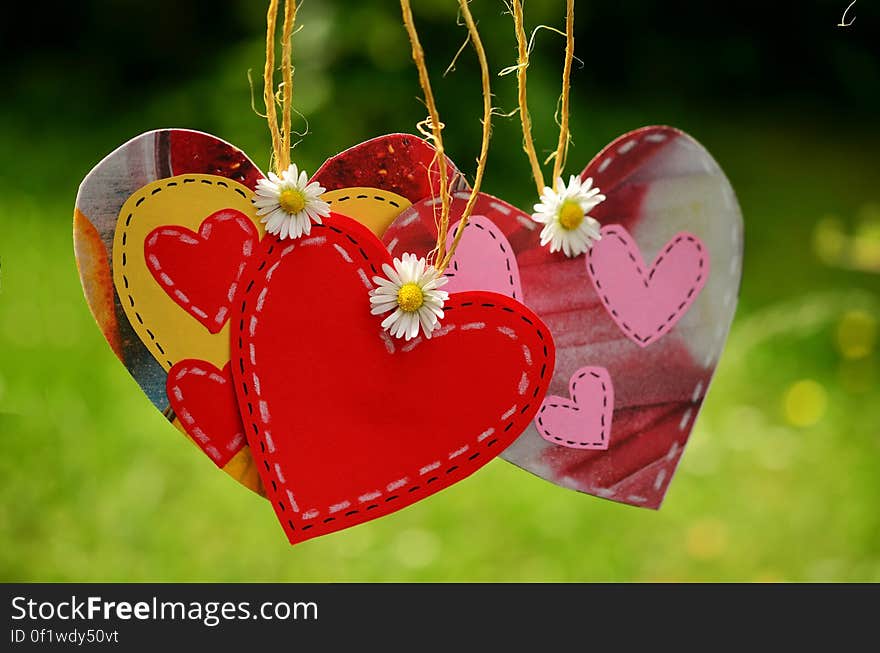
(857, 249)
(866, 240)
(856, 334)
(829, 239)
(804, 403)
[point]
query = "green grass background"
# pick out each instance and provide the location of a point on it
(781, 479)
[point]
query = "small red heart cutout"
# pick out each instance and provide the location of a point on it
(203, 399)
(348, 424)
(201, 271)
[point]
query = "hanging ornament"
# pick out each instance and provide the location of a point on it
(639, 305)
(247, 305)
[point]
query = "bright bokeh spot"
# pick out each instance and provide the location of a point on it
(866, 241)
(856, 334)
(829, 240)
(805, 403)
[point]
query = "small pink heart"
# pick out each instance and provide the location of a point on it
(483, 260)
(584, 422)
(647, 304)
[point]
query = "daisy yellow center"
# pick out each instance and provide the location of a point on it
(571, 215)
(292, 200)
(410, 297)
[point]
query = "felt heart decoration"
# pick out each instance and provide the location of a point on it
(162, 315)
(201, 271)
(176, 179)
(659, 182)
(348, 424)
(646, 302)
(399, 163)
(490, 261)
(204, 400)
(584, 421)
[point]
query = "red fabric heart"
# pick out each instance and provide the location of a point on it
(347, 424)
(401, 163)
(203, 399)
(201, 271)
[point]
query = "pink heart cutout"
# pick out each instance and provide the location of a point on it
(646, 304)
(584, 422)
(484, 259)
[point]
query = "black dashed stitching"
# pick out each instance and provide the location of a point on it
(128, 220)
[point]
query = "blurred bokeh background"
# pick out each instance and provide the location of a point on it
(781, 480)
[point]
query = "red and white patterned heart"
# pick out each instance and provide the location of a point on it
(650, 306)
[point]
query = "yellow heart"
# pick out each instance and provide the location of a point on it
(169, 332)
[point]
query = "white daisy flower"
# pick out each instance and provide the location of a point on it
(563, 212)
(411, 292)
(288, 204)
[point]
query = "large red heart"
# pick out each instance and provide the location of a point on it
(346, 423)
(204, 400)
(200, 271)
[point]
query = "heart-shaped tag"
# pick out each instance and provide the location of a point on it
(490, 260)
(659, 182)
(646, 302)
(348, 424)
(204, 400)
(201, 271)
(175, 179)
(584, 421)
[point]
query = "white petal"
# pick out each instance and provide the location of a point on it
(413, 330)
(427, 319)
(315, 189)
(385, 284)
(392, 275)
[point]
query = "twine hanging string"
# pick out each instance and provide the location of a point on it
(560, 155)
(443, 256)
(280, 133)
(522, 64)
(432, 125)
(287, 80)
(564, 136)
(486, 135)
